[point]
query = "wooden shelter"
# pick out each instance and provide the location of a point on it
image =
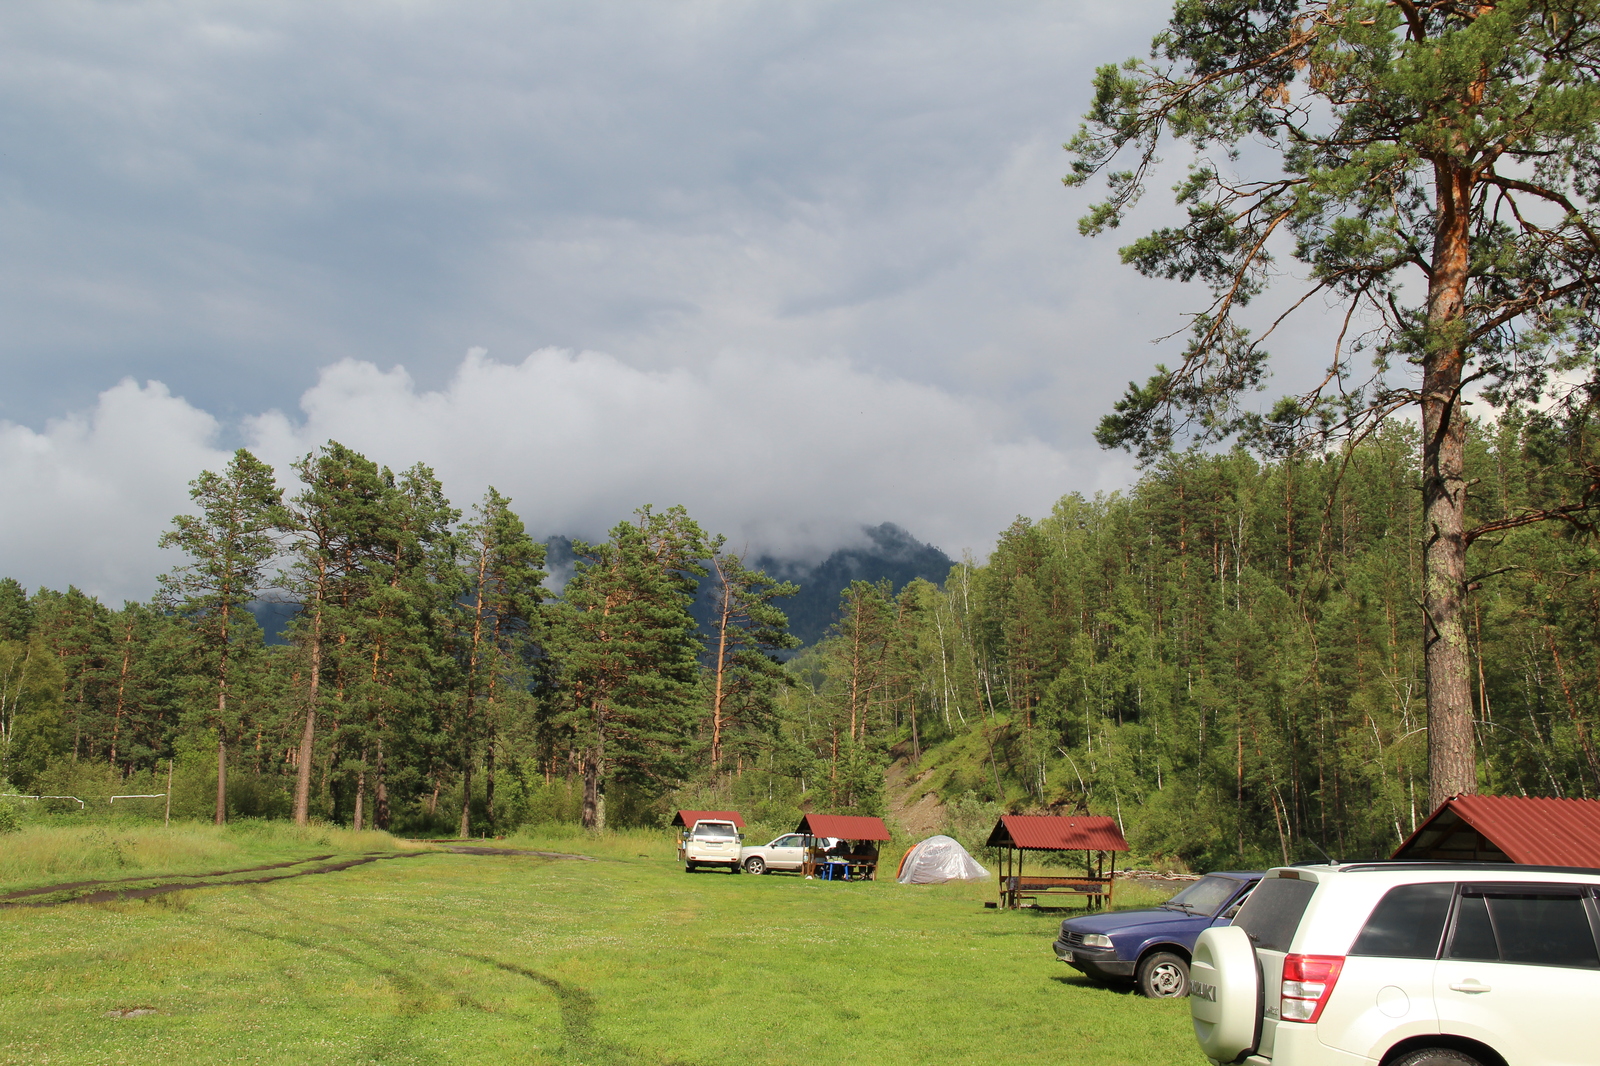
(1529, 830)
(1096, 837)
(855, 859)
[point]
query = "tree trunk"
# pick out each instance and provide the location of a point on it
(222, 778)
(594, 804)
(381, 817)
(1452, 764)
(466, 801)
(302, 781)
(361, 794)
(488, 778)
(719, 672)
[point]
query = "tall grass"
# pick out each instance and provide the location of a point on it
(46, 852)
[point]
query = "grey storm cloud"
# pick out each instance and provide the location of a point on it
(827, 239)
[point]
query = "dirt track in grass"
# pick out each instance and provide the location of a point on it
(147, 887)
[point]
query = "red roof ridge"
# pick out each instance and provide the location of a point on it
(1058, 832)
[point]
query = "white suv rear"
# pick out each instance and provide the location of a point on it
(712, 843)
(1405, 964)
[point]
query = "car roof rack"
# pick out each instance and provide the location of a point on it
(1369, 867)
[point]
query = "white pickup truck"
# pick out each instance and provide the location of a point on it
(711, 843)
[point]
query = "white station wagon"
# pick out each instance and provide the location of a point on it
(788, 852)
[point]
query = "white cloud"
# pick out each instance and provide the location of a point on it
(86, 498)
(783, 456)
(788, 456)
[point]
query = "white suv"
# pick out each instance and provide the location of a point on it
(788, 852)
(711, 843)
(1404, 964)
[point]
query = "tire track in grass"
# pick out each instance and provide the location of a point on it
(576, 1005)
(69, 886)
(110, 895)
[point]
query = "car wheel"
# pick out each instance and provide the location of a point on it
(1436, 1056)
(734, 868)
(688, 867)
(1163, 975)
(754, 865)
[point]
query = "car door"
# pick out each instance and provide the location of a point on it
(1521, 972)
(787, 852)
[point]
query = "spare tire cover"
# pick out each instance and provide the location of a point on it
(1223, 982)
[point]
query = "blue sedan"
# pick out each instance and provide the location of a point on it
(1153, 946)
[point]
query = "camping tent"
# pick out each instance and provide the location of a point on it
(936, 860)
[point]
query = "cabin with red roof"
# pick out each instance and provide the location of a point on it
(1528, 830)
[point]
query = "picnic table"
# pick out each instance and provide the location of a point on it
(1016, 888)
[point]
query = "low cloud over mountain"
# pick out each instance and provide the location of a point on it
(789, 459)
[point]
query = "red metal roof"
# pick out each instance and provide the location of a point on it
(1057, 832)
(688, 818)
(1532, 830)
(843, 826)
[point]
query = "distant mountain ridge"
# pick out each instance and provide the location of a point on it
(890, 552)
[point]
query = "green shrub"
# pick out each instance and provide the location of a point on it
(10, 817)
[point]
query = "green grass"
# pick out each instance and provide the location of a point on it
(626, 959)
(59, 851)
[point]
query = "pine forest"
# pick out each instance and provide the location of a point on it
(1226, 658)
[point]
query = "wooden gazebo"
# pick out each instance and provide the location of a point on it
(1096, 837)
(856, 860)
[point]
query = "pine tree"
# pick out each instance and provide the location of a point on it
(504, 590)
(16, 613)
(32, 728)
(627, 653)
(332, 526)
(1436, 164)
(747, 627)
(229, 544)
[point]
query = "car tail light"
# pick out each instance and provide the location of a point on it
(1308, 981)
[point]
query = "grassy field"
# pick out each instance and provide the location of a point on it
(63, 852)
(623, 959)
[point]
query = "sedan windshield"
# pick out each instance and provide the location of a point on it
(1205, 896)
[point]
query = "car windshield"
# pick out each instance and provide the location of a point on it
(1205, 896)
(714, 831)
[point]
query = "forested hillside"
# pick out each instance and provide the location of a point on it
(1226, 658)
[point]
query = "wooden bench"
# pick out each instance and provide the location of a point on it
(1015, 889)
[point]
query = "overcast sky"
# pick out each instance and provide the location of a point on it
(800, 266)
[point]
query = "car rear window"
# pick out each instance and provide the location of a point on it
(714, 831)
(1546, 928)
(1272, 913)
(1407, 923)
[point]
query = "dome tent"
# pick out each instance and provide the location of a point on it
(936, 860)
